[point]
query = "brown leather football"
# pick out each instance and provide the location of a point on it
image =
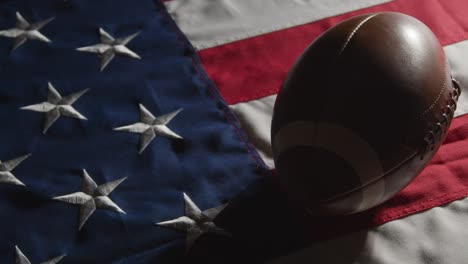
(361, 113)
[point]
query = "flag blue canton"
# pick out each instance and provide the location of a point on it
(71, 74)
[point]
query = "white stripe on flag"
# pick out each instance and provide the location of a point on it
(255, 116)
(437, 235)
(209, 23)
(255, 119)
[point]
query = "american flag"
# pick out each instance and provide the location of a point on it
(138, 132)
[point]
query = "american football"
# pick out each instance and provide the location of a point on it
(361, 112)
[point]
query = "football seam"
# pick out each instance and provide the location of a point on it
(442, 89)
(355, 31)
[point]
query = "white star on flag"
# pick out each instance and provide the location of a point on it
(57, 106)
(109, 47)
(5, 170)
(22, 259)
(149, 127)
(92, 197)
(195, 222)
(24, 31)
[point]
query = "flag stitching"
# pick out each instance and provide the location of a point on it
(213, 92)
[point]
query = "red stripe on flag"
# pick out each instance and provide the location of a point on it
(255, 67)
